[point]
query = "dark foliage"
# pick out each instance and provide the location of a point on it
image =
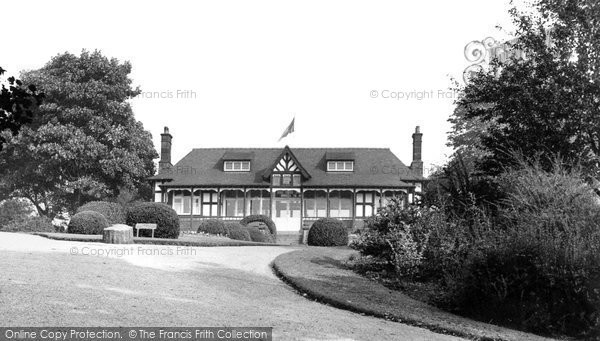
(328, 232)
(256, 235)
(237, 231)
(87, 222)
(113, 212)
(260, 218)
(213, 226)
(163, 216)
(29, 224)
(14, 210)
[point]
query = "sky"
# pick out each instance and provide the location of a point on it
(235, 73)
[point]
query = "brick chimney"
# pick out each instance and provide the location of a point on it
(417, 163)
(165, 151)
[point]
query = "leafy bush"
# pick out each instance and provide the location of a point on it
(160, 214)
(237, 231)
(30, 224)
(256, 235)
(213, 226)
(14, 210)
(112, 211)
(260, 218)
(328, 232)
(87, 222)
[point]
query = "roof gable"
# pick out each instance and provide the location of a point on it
(286, 162)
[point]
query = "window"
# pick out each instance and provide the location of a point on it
(286, 180)
(210, 203)
(388, 195)
(276, 179)
(340, 204)
(233, 203)
(365, 203)
(315, 204)
(237, 166)
(296, 179)
(182, 203)
(259, 202)
(340, 166)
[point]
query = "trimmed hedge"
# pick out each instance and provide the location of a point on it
(163, 216)
(328, 232)
(256, 235)
(87, 222)
(237, 231)
(213, 226)
(113, 212)
(30, 224)
(261, 218)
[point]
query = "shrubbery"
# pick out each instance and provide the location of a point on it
(213, 226)
(260, 218)
(256, 235)
(29, 224)
(536, 260)
(328, 232)
(237, 231)
(87, 222)
(113, 212)
(160, 214)
(14, 210)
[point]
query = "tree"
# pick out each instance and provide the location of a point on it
(86, 144)
(545, 104)
(18, 104)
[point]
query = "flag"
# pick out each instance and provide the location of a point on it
(288, 130)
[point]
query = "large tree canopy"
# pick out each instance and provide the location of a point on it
(85, 144)
(545, 104)
(18, 104)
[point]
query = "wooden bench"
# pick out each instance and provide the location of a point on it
(141, 226)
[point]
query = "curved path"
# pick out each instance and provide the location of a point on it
(56, 283)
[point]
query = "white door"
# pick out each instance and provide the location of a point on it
(286, 212)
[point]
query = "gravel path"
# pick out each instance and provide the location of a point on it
(54, 283)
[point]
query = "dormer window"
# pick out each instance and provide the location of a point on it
(236, 166)
(340, 166)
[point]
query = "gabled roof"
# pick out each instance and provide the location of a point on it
(286, 150)
(373, 167)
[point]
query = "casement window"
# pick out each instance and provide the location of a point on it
(340, 166)
(315, 204)
(340, 204)
(366, 202)
(259, 202)
(236, 166)
(388, 195)
(233, 203)
(182, 203)
(210, 203)
(286, 180)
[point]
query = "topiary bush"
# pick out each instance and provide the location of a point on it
(30, 224)
(256, 235)
(237, 231)
(113, 212)
(260, 218)
(87, 222)
(163, 216)
(213, 226)
(328, 232)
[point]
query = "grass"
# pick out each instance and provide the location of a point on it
(184, 240)
(321, 274)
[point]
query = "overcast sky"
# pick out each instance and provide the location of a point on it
(235, 73)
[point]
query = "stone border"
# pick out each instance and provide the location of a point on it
(317, 272)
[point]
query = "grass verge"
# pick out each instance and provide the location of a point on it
(320, 274)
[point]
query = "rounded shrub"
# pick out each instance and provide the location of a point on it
(256, 235)
(165, 218)
(260, 218)
(113, 212)
(87, 222)
(328, 232)
(237, 231)
(213, 226)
